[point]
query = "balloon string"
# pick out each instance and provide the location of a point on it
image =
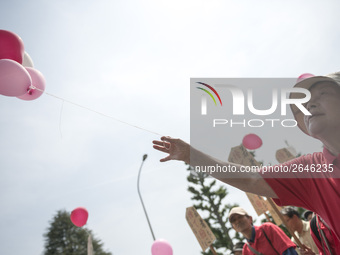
(60, 118)
(99, 113)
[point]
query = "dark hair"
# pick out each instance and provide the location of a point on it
(306, 214)
(290, 212)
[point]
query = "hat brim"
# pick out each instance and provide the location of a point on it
(236, 213)
(306, 84)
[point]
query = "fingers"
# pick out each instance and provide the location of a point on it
(161, 148)
(165, 159)
(160, 143)
(305, 250)
(167, 139)
(164, 146)
(164, 139)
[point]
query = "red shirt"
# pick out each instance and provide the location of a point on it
(320, 195)
(278, 238)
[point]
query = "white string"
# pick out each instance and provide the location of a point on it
(61, 113)
(89, 109)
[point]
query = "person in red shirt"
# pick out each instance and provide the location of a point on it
(318, 191)
(265, 239)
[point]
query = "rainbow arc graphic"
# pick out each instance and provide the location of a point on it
(209, 93)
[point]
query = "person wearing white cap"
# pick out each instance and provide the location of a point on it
(320, 195)
(265, 239)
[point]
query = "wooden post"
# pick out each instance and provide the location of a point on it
(267, 217)
(213, 250)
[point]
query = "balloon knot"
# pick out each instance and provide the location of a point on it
(31, 89)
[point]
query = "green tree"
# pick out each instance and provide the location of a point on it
(62, 237)
(209, 200)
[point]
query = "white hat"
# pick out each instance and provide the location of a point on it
(307, 84)
(237, 210)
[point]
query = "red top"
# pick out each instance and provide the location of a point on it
(320, 195)
(278, 238)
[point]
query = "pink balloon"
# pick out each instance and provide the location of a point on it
(252, 142)
(38, 85)
(161, 247)
(14, 78)
(11, 46)
(304, 76)
(79, 216)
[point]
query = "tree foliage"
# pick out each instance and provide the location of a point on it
(62, 237)
(208, 199)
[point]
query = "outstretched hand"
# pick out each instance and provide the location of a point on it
(176, 148)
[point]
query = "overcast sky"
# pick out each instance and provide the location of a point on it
(133, 60)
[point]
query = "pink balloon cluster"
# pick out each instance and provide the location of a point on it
(161, 247)
(18, 78)
(79, 216)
